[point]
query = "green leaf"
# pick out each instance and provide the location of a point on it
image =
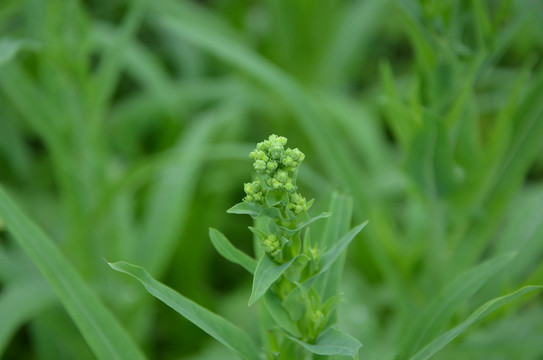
(225, 332)
(258, 233)
(280, 314)
(327, 260)
(441, 309)
(274, 197)
(229, 252)
(329, 306)
(245, 208)
(102, 331)
(265, 275)
(271, 212)
(329, 257)
(307, 223)
(494, 304)
(295, 303)
(333, 342)
(338, 224)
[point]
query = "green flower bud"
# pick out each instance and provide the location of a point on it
(276, 146)
(276, 151)
(276, 184)
(288, 162)
(263, 146)
(272, 245)
(317, 321)
(289, 187)
(271, 167)
(281, 176)
(297, 155)
(297, 203)
(258, 155)
(278, 139)
(314, 254)
(254, 192)
(259, 166)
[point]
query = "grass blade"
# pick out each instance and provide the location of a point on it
(105, 336)
(229, 252)
(439, 311)
(338, 224)
(228, 334)
(481, 312)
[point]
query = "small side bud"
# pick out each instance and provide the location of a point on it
(272, 245)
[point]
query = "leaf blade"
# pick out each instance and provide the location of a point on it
(333, 342)
(266, 273)
(102, 331)
(439, 310)
(223, 331)
(481, 312)
(231, 253)
(329, 257)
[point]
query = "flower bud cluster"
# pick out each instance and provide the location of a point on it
(297, 203)
(272, 245)
(254, 192)
(278, 166)
(271, 156)
(275, 186)
(281, 181)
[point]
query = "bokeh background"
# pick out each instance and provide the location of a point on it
(125, 128)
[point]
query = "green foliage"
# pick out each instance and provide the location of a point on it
(105, 336)
(124, 133)
(231, 336)
(288, 267)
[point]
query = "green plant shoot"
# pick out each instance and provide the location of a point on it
(288, 271)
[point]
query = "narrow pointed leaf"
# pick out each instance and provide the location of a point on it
(441, 309)
(327, 261)
(307, 223)
(481, 312)
(223, 331)
(333, 342)
(280, 314)
(105, 336)
(329, 257)
(245, 208)
(265, 275)
(339, 223)
(231, 253)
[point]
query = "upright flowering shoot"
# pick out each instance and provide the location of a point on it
(275, 189)
(288, 274)
(295, 277)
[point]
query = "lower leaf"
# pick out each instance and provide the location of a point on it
(225, 332)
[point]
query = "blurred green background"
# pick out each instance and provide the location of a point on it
(125, 128)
